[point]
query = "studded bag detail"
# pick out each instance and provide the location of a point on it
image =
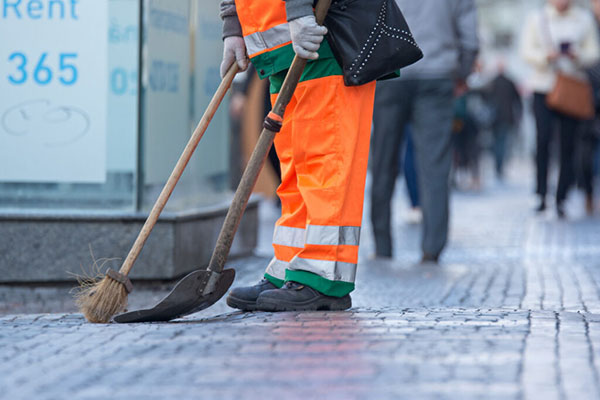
(370, 39)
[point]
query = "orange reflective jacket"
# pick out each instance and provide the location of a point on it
(267, 35)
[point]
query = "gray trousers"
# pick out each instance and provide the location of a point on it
(428, 106)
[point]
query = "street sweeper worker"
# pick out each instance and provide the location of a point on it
(323, 148)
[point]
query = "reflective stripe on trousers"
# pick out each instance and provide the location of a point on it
(315, 234)
(330, 270)
(276, 269)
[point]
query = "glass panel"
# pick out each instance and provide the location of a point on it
(68, 109)
(182, 53)
(212, 157)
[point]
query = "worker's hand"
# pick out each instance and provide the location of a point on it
(307, 36)
(234, 49)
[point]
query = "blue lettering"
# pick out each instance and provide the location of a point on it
(38, 9)
(164, 76)
(118, 80)
(32, 6)
(20, 68)
(45, 69)
(73, 4)
(61, 7)
(14, 6)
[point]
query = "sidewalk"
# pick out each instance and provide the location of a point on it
(513, 312)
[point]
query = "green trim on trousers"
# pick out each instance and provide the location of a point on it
(280, 59)
(325, 286)
(277, 282)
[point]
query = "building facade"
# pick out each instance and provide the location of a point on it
(99, 98)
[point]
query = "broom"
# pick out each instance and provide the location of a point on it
(99, 299)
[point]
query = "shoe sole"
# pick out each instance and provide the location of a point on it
(241, 304)
(272, 305)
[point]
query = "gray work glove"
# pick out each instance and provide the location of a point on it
(307, 36)
(234, 49)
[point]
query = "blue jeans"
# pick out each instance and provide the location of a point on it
(410, 171)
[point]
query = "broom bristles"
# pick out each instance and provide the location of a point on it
(101, 300)
(99, 297)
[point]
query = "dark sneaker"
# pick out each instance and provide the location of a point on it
(244, 298)
(589, 204)
(560, 211)
(541, 206)
(429, 259)
(296, 297)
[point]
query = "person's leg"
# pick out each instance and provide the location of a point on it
(410, 171)
(544, 119)
(389, 118)
(288, 238)
(330, 141)
(500, 135)
(432, 129)
(597, 158)
(568, 135)
(474, 152)
(588, 150)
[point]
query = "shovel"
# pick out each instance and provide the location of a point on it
(202, 288)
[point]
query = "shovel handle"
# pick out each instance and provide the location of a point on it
(178, 170)
(259, 155)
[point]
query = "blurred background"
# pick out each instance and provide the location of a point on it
(98, 99)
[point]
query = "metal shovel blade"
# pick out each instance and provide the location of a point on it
(198, 290)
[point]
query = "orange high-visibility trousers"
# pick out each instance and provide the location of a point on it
(323, 149)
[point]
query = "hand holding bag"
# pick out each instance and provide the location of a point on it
(570, 96)
(370, 39)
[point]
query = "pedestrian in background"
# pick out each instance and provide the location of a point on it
(591, 133)
(507, 107)
(407, 167)
(466, 137)
(560, 37)
(423, 96)
(414, 214)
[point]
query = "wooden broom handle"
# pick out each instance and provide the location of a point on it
(259, 155)
(178, 170)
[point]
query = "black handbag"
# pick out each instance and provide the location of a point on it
(370, 39)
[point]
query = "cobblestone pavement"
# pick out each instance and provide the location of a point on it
(513, 312)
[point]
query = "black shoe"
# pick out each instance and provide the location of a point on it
(541, 207)
(430, 259)
(589, 204)
(244, 298)
(296, 297)
(560, 211)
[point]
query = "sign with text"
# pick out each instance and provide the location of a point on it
(53, 90)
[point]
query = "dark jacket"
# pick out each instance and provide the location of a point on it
(505, 100)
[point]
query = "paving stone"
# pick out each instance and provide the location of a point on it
(512, 312)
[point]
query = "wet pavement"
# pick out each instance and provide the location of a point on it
(512, 312)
